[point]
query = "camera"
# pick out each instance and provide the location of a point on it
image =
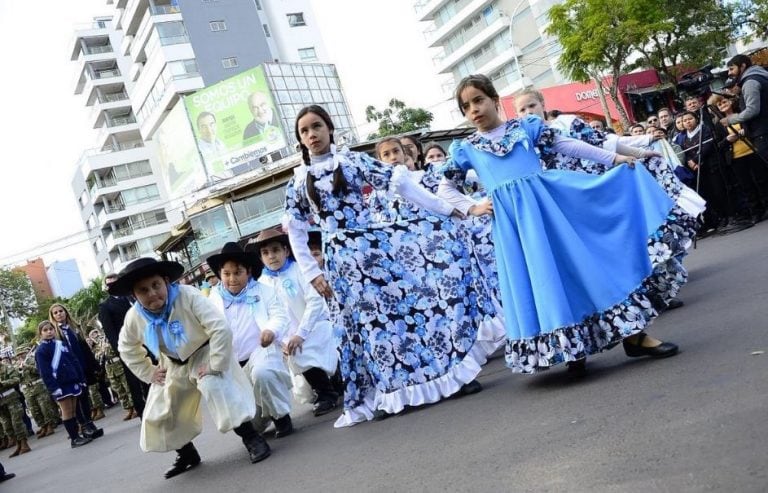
(697, 82)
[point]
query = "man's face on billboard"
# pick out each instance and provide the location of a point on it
(207, 128)
(259, 107)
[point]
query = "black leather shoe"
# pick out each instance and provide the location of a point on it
(258, 448)
(322, 407)
(663, 350)
(470, 388)
(283, 426)
(675, 303)
(7, 476)
(381, 415)
(186, 459)
(90, 431)
(577, 368)
(80, 441)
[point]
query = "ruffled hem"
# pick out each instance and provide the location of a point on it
(604, 330)
(425, 393)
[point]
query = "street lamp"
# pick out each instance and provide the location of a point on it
(512, 42)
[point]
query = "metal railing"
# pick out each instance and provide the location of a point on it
(121, 120)
(457, 8)
(163, 9)
(111, 98)
(104, 74)
(103, 182)
(132, 228)
(174, 40)
(461, 39)
(485, 58)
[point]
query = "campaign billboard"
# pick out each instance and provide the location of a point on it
(179, 161)
(235, 123)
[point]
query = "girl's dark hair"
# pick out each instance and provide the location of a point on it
(434, 145)
(419, 159)
(339, 181)
(386, 140)
(479, 82)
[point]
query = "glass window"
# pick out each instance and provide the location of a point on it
(218, 25)
(296, 19)
(171, 32)
(290, 83)
(318, 70)
(307, 54)
(212, 229)
(279, 83)
(313, 82)
(266, 30)
(323, 82)
(329, 72)
(229, 62)
(316, 96)
(302, 81)
(306, 96)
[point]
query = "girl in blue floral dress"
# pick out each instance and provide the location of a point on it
(571, 248)
(402, 299)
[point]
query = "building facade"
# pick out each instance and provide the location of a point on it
(132, 68)
(503, 39)
(35, 270)
(64, 278)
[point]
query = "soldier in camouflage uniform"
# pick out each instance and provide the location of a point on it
(10, 408)
(109, 359)
(38, 399)
(97, 403)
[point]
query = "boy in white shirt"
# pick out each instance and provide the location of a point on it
(308, 344)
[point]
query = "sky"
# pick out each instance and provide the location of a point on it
(377, 46)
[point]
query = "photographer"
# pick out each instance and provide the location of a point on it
(752, 80)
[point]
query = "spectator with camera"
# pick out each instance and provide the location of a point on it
(752, 80)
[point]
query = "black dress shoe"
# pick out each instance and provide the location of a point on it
(674, 303)
(663, 350)
(470, 388)
(186, 459)
(322, 407)
(258, 448)
(381, 415)
(283, 426)
(7, 476)
(90, 431)
(577, 368)
(80, 441)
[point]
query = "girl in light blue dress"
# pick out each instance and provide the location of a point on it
(572, 249)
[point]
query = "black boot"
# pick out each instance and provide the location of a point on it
(327, 397)
(283, 426)
(186, 458)
(75, 439)
(258, 448)
(90, 431)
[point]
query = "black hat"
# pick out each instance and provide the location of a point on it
(142, 268)
(233, 251)
(269, 236)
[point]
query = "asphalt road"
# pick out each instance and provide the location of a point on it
(695, 422)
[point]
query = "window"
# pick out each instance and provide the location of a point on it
(218, 26)
(258, 4)
(296, 20)
(307, 54)
(266, 30)
(229, 62)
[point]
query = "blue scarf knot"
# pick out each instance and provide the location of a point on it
(241, 297)
(159, 324)
(287, 284)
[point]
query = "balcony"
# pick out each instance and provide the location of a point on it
(425, 9)
(446, 61)
(101, 182)
(164, 9)
(493, 60)
(510, 83)
(464, 11)
(132, 15)
(106, 102)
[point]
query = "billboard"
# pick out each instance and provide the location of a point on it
(235, 123)
(178, 158)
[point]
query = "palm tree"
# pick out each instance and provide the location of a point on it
(84, 304)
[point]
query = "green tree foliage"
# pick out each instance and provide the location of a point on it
(28, 330)
(752, 17)
(397, 119)
(84, 305)
(689, 32)
(17, 299)
(597, 38)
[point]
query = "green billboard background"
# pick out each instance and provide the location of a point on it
(178, 158)
(227, 133)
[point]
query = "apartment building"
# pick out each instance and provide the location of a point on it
(503, 39)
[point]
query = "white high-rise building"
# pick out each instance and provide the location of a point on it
(503, 39)
(132, 68)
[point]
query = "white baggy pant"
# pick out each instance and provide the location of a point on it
(270, 381)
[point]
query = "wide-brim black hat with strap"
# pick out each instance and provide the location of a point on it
(142, 268)
(269, 236)
(233, 251)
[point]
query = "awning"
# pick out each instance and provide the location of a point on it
(649, 90)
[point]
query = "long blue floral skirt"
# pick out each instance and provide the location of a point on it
(406, 308)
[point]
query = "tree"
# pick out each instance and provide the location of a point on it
(28, 330)
(752, 16)
(597, 37)
(690, 32)
(17, 298)
(397, 119)
(84, 305)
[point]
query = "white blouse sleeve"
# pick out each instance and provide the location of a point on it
(315, 310)
(401, 184)
(447, 191)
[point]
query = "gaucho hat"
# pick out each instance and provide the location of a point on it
(142, 268)
(268, 236)
(233, 251)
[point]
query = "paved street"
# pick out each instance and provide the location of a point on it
(695, 422)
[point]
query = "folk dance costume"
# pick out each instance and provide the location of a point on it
(249, 312)
(404, 309)
(189, 338)
(309, 318)
(476, 232)
(572, 248)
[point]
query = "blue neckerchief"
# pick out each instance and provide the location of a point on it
(172, 332)
(274, 273)
(287, 283)
(241, 297)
